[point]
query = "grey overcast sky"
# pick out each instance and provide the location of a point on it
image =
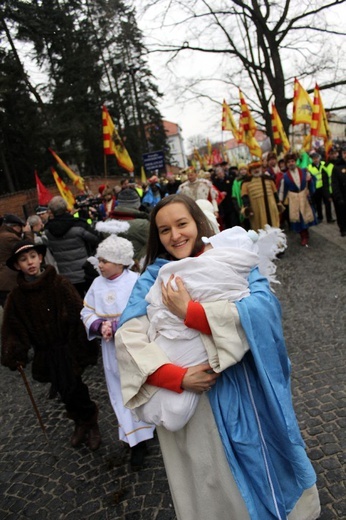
(203, 116)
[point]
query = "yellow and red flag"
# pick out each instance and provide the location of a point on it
(247, 128)
(253, 145)
(246, 119)
(302, 105)
(77, 180)
(65, 192)
(319, 124)
(228, 122)
(279, 134)
(112, 144)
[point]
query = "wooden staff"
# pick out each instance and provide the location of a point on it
(38, 415)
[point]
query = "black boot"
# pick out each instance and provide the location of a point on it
(94, 435)
(79, 434)
(138, 453)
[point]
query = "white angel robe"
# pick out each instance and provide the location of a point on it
(106, 299)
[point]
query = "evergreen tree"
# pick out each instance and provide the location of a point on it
(92, 53)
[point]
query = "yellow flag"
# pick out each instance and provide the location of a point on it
(307, 143)
(197, 156)
(112, 144)
(253, 145)
(302, 105)
(143, 176)
(209, 154)
(279, 134)
(77, 180)
(65, 192)
(228, 122)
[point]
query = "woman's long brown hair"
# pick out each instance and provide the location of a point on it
(155, 249)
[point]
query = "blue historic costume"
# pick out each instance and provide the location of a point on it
(305, 212)
(252, 406)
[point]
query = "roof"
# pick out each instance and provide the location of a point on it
(171, 128)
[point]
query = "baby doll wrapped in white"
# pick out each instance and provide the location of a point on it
(220, 273)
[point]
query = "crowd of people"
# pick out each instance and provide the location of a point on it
(70, 287)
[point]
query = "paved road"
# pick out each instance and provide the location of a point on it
(56, 482)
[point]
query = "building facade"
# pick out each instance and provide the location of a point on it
(176, 144)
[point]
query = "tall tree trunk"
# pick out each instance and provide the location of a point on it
(7, 172)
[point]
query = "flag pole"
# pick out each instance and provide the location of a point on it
(105, 165)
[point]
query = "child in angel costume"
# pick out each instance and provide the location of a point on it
(103, 305)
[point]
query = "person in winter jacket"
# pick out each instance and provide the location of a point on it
(71, 240)
(321, 193)
(43, 312)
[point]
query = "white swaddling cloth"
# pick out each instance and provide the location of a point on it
(220, 273)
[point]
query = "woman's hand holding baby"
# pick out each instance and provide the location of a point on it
(176, 300)
(199, 379)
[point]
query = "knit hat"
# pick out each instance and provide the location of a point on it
(23, 246)
(13, 219)
(129, 198)
(116, 250)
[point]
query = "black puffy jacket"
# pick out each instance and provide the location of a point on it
(72, 241)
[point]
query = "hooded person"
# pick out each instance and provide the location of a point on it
(103, 304)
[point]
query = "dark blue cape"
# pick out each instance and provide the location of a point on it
(252, 405)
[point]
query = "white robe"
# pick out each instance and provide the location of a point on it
(106, 299)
